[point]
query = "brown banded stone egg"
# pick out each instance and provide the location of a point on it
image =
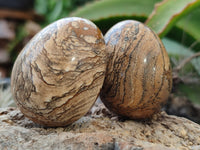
(59, 73)
(138, 78)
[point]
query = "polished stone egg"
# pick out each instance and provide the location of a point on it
(138, 78)
(58, 75)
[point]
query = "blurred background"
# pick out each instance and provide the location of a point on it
(176, 22)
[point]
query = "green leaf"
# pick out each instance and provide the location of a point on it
(191, 24)
(175, 49)
(41, 6)
(106, 13)
(168, 12)
(109, 8)
(186, 30)
(54, 14)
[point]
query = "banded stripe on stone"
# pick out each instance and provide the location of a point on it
(138, 78)
(58, 75)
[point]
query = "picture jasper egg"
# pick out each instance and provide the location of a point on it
(58, 75)
(138, 78)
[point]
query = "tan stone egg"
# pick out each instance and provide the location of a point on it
(138, 78)
(58, 75)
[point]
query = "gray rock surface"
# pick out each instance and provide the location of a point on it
(99, 129)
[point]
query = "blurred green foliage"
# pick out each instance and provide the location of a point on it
(55, 9)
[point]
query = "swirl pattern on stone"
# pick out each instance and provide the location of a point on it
(58, 75)
(138, 77)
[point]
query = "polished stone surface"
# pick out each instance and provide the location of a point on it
(58, 75)
(138, 78)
